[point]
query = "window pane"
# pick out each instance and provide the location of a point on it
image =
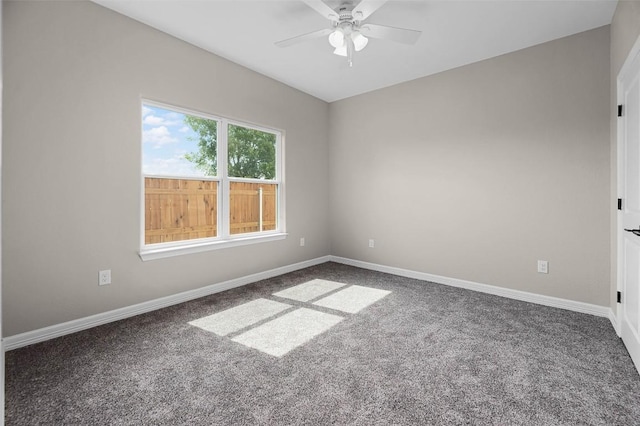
(205, 158)
(177, 144)
(252, 153)
(179, 209)
(244, 207)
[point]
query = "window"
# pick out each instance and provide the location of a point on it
(209, 182)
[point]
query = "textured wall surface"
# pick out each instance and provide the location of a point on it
(74, 76)
(478, 172)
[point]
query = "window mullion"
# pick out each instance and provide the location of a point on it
(223, 195)
(280, 213)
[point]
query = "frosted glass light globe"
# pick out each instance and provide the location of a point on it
(359, 41)
(336, 39)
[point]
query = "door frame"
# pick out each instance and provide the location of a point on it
(1, 334)
(633, 53)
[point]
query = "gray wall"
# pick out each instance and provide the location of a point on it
(478, 172)
(625, 30)
(74, 74)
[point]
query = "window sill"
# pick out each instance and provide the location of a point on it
(162, 252)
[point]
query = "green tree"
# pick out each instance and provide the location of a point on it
(251, 153)
(206, 157)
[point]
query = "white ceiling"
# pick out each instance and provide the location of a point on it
(454, 33)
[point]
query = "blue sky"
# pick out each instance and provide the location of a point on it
(165, 141)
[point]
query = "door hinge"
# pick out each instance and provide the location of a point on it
(619, 297)
(619, 203)
(619, 110)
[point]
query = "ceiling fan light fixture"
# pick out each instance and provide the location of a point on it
(336, 39)
(341, 51)
(359, 41)
(346, 22)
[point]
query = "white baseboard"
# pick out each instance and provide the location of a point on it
(42, 334)
(555, 302)
(51, 332)
(613, 317)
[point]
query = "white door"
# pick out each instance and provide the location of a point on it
(629, 215)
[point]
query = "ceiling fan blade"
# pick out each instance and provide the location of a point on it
(304, 37)
(366, 8)
(400, 35)
(322, 8)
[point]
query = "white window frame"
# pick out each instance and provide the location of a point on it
(224, 239)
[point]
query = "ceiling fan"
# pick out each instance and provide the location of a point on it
(348, 32)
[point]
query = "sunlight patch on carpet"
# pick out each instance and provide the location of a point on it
(281, 335)
(309, 290)
(352, 299)
(256, 324)
(242, 316)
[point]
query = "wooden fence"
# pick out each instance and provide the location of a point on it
(184, 209)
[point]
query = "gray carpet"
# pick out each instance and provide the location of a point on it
(424, 354)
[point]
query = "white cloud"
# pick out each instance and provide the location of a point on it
(146, 111)
(185, 129)
(158, 136)
(172, 122)
(153, 120)
(175, 166)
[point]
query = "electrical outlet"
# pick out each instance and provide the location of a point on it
(372, 243)
(104, 277)
(302, 242)
(543, 266)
